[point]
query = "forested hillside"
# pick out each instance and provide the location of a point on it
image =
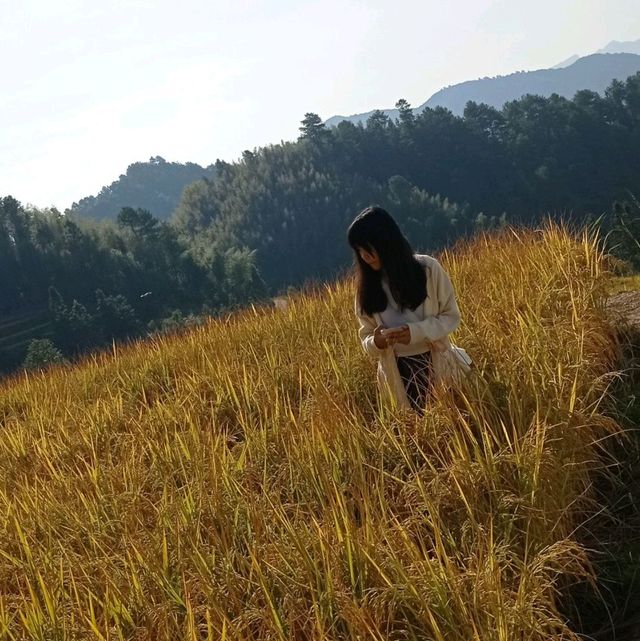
(82, 284)
(536, 156)
(155, 185)
(278, 217)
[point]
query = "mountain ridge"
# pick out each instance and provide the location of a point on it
(454, 97)
(155, 185)
(594, 72)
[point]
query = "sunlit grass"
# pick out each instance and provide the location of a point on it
(625, 284)
(239, 481)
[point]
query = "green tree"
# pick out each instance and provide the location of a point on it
(624, 236)
(406, 115)
(174, 322)
(115, 317)
(312, 128)
(140, 221)
(57, 305)
(41, 353)
(378, 120)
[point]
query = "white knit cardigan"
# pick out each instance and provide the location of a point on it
(440, 315)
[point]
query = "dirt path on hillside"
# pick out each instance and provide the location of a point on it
(626, 306)
(624, 625)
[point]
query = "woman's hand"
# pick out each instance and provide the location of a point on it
(400, 334)
(391, 336)
(379, 338)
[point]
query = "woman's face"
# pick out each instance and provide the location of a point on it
(370, 256)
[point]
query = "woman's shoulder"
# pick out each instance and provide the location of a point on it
(426, 259)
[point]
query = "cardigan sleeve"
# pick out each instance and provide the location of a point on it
(366, 327)
(447, 320)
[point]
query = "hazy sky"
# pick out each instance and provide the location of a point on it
(89, 87)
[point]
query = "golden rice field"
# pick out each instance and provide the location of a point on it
(239, 481)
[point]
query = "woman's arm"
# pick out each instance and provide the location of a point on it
(447, 320)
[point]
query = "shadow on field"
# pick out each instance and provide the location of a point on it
(612, 611)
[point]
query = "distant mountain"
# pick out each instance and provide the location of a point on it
(155, 185)
(567, 62)
(356, 118)
(594, 72)
(631, 46)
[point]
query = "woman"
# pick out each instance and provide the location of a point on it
(406, 307)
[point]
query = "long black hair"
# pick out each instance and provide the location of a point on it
(374, 228)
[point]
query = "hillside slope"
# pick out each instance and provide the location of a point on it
(155, 185)
(238, 481)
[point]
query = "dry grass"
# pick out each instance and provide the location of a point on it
(625, 284)
(240, 482)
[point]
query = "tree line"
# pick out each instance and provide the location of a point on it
(100, 281)
(440, 174)
(278, 216)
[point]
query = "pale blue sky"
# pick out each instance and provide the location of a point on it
(89, 87)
